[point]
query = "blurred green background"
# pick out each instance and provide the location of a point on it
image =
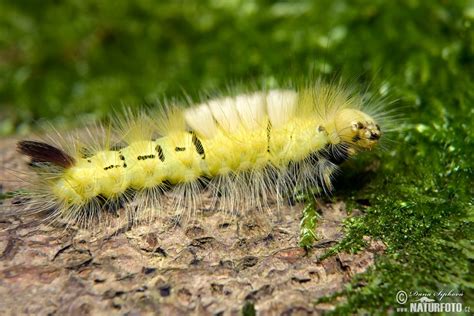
(60, 60)
(63, 58)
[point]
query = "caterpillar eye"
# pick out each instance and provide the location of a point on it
(357, 126)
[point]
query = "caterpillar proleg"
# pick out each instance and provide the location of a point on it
(243, 150)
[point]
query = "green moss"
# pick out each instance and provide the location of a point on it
(61, 60)
(308, 225)
(420, 204)
(248, 309)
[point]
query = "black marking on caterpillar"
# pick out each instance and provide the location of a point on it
(269, 131)
(180, 149)
(161, 155)
(86, 153)
(145, 157)
(118, 147)
(111, 167)
(198, 144)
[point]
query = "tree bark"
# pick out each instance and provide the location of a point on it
(211, 265)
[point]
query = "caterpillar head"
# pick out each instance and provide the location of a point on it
(357, 128)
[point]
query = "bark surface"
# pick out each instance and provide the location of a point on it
(211, 265)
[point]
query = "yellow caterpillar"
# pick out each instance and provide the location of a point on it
(243, 149)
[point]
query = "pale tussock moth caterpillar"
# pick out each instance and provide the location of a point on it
(244, 150)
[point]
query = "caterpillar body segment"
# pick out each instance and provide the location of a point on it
(245, 149)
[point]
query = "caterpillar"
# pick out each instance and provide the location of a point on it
(241, 150)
